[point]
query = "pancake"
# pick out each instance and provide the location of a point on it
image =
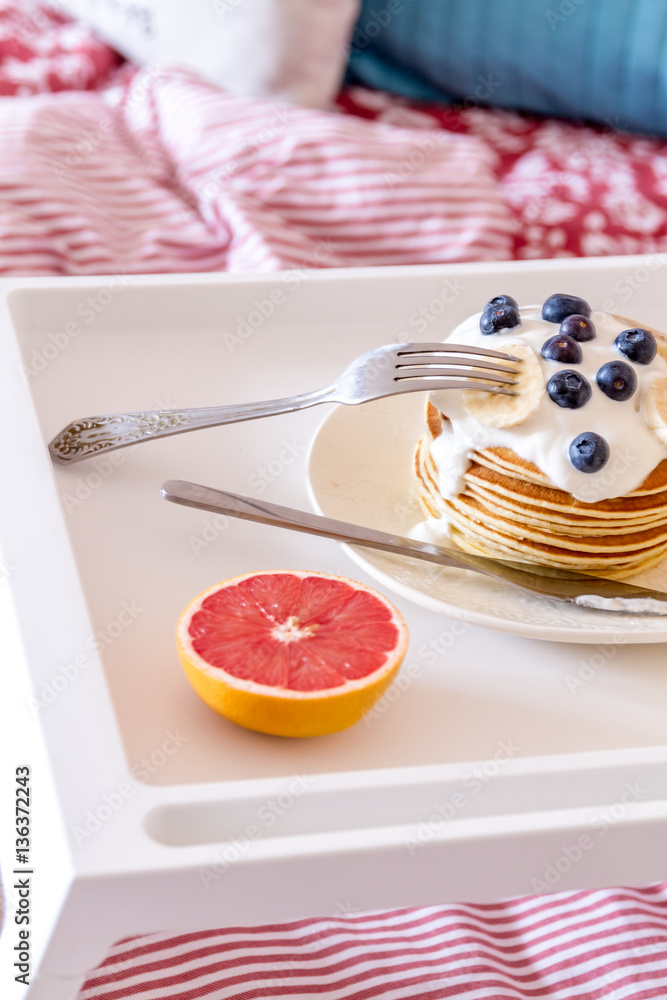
(506, 506)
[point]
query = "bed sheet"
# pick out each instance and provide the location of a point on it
(572, 190)
(571, 946)
(105, 168)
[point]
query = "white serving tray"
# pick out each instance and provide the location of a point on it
(476, 776)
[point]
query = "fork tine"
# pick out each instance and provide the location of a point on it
(446, 374)
(438, 348)
(433, 361)
(430, 384)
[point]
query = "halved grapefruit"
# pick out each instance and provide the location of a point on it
(291, 653)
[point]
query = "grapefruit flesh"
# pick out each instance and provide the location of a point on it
(291, 653)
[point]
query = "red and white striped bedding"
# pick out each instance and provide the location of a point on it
(139, 171)
(570, 946)
(174, 175)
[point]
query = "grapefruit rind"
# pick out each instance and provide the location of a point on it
(286, 712)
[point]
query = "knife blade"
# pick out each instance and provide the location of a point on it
(576, 588)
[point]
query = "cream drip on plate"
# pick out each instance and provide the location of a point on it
(544, 438)
(629, 605)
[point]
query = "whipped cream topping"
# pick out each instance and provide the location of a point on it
(545, 437)
(629, 605)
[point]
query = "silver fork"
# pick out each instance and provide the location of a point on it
(385, 371)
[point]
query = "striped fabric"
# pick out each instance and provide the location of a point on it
(283, 179)
(177, 176)
(76, 198)
(571, 946)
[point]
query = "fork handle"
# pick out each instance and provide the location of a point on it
(92, 435)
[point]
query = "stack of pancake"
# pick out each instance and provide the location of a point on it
(509, 510)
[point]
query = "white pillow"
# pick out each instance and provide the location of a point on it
(292, 50)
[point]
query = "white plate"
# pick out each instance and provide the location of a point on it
(361, 470)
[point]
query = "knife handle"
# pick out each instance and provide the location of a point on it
(560, 584)
(251, 509)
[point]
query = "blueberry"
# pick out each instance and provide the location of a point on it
(557, 307)
(502, 300)
(617, 380)
(589, 452)
(638, 345)
(563, 349)
(501, 313)
(578, 327)
(569, 389)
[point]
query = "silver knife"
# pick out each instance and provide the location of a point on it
(575, 588)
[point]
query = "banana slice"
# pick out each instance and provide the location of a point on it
(493, 410)
(661, 341)
(655, 408)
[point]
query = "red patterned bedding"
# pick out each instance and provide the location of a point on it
(104, 168)
(155, 172)
(570, 190)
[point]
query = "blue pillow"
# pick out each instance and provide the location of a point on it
(595, 60)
